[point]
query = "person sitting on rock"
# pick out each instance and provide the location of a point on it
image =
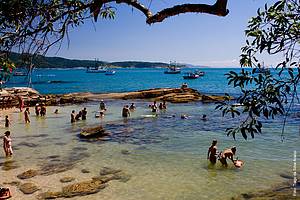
(5, 193)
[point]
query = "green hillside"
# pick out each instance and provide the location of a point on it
(59, 62)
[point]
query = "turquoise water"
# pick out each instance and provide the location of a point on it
(165, 155)
(124, 80)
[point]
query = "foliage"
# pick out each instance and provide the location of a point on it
(267, 93)
(6, 69)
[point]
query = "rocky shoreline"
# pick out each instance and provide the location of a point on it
(8, 96)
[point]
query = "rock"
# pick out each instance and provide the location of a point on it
(125, 152)
(82, 188)
(9, 165)
(50, 195)
(67, 179)
(108, 170)
(213, 98)
(28, 188)
(28, 174)
(13, 183)
(85, 171)
(27, 144)
(54, 168)
(93, 132)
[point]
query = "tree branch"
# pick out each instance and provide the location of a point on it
(219, 9)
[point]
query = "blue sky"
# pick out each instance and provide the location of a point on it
(198, 39)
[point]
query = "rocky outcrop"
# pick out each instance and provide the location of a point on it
(67, 179)
(9, 96)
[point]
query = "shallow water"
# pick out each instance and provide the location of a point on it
(164, 155)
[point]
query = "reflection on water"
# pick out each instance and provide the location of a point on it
(165, 155)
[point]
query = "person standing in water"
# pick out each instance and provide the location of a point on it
(26, 115)
(132, 107)
(102, 105)
(227, 153)
(37, 109)
(73, 116)
(125, 111)
(212, 152)
(21, 103)
(7, 122)
(7, 145)
(83, 114)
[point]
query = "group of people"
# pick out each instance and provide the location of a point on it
(81, 115)
(213, 155)
(161, 106)
(40, 110)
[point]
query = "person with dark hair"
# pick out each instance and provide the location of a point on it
(78, 116)
(37, 109)
(43, 110)
(227, 153)
(26, 115)
(212, 152)
(83, 114)
(7, 146)
(73, 116)
(7, 122)
(132, 107)
(125, 111)
(21, 103)
(102, 105)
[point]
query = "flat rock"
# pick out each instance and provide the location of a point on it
(28, 174)
(67, 179)
(28, 188)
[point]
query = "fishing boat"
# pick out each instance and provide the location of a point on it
(96, 68)
(172, 69)
(110, 72)
(191, 75)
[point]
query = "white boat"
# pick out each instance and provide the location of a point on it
(172, 69)
(110, 72)
(96, 69)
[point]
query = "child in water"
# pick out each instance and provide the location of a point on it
(7, 146)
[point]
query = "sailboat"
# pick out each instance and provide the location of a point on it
(172, 69)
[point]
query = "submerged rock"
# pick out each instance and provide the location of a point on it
(108, 170)
(28, 188)
(78, 189)
(9, 165)
(67, 179)
(13, 183)
(283, 191)
(93, 132)
(85, 171)
(54, 168)
(28, 174)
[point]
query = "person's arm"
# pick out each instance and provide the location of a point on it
(208, 153)
(231, 158)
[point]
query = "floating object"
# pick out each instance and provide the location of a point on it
(149, 116)
(110, 72)
(190, 75)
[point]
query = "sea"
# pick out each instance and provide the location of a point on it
(163, 156)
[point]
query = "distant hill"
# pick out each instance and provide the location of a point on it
(59, 62)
